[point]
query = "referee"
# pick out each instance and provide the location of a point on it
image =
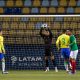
(47, 36)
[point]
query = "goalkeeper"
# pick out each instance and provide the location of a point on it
(2, 52)
(47, 36)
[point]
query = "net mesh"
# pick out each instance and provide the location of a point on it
(25, 47)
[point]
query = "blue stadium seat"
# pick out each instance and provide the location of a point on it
(58, 18)
(70, 10)
(27, 3)
(34, 10)
(54, 3)
(8, 10)
(78, 3)
(24, 19)
(38, 25)
(45, 3)
(2, 3)
(17, 11)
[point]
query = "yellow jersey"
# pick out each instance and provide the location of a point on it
(63, 41)
(2, 50)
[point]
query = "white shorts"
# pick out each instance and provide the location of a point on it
(73, 54)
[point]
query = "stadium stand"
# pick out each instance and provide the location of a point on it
(35, 6)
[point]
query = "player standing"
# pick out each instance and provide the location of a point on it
(2, 52)
(46, 34)
(74, 51)
(62, 43)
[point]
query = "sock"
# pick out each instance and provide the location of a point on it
(66, 65)
(73, 66)
(47, 63)
(3, 66)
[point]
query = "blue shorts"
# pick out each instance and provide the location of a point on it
(65, 52)
(1, 56)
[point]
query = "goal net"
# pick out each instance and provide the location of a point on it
(23, 44)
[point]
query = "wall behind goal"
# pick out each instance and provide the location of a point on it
(25, 47)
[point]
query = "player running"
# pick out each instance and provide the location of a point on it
(2, 52)
(63, 44)
(74, 51)
(46, 34)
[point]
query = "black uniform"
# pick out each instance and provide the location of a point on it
(47, 41)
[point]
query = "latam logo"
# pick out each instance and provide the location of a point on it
(15, 59)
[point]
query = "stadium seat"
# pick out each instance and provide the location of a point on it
(78, 3)
(63, 3)
(27, 3)
(58, 19)
(18, 3)
(45, 3)
(77, 10)
(17, 11)
(2, 3)
(72, 3)
(52, 10)
(54, 3)
(24, 19)
(25, 10)
(10, 3)
(1, 10)
(38, 25)
(34, 10)
(70, 10)
(22, 25)
(61, 10)
(8, 10)
(36, 3)
(43, 10)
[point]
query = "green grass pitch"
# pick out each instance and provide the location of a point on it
(39, 75)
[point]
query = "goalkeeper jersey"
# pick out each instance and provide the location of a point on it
(73, 43)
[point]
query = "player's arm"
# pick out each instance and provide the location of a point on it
(57, 43)
(2, 46)
(73, 41)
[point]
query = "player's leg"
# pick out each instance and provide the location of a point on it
(3, 63)
(46, 59)
(73, 56)
(65, 52)
(47, 63)
(54, 62)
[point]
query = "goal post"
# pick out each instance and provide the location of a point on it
(23, 44)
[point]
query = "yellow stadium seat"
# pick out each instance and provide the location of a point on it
(77, 10)
(25, 10)
(52, 10)
(43, 10)
(30, 25)
(22, 25)
(56, 25)
(36, 3)
(72, 3)
(61, 10)
(5, 25)
(14, 25)
(63, 2)
(18, 3)
(10, 3)
(1, 10)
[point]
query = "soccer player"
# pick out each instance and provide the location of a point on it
(62, 43)
(74, 51)
(2, 52)
(47, 36)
